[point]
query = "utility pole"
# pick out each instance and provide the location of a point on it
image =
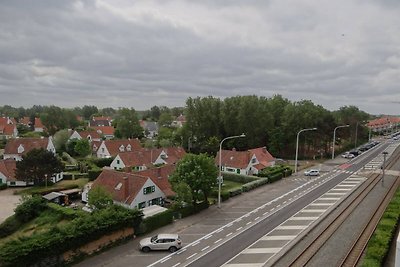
(384, 165)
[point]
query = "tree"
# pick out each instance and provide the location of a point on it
(88, 111)
(82, 147)
(183, 193)
(60, 139)
(37, 166)
(198, 172)
(127, 124)
(99, 198)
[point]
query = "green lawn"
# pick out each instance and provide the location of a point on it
(228, 185)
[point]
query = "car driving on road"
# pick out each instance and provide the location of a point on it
(170, 242)
(311, 172)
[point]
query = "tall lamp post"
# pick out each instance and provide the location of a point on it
(297, 145)
(220, 165)
(384, 165)
(334, 138)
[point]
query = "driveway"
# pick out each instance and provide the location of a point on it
(8, 202)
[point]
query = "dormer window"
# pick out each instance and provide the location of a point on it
(253, 160)
(21, 149)
(122, 148)
(128, 148)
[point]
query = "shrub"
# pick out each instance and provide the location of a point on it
(252, 185)
(238, 178)
(189, 210)
(30, 208)
(156, 221)
(102, 162)
(275, 177)
(235, 192)
(3, 186)
(224, 195)
(93, 174)
(9, 226)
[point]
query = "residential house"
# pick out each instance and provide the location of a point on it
(160, 176)
(17, 147)
(8, 128)
(7, 171)
(179, 121)
(26, 121)
(100, 121)
(105, 131)
(110, 148)
(38, 126)
(130, 189)
(384, 124)
(143, 159)
(89, 135)
(247, 162)
(150, 128)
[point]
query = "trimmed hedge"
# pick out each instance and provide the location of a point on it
(235, 192)
(27, 251)
(189, 210)
(238, 178)
(102, 162)
(379, 244)
(156, 221)
(3, 186)
(93, 174)
(9, 226)
(252, 185)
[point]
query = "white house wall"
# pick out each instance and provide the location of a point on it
(103, 154)
(75, 135)
(3, 178)
(117, 166)
(12, 156)
(140, 197)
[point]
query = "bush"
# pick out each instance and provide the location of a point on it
(252, 185)
(275, 177)
(102, 162)
(379, 244)
(235, 192)
(9, 226)
(30, 208)
(93, 174)
(3, 186)
(156, 221)
(189, 210)
(44, 245)
(238, 178)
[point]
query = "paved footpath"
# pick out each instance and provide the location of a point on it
(8, 202)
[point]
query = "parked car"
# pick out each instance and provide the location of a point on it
(348, 155)
(170, 242)
(311, 172)
(355, 152)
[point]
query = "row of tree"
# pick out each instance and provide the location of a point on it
(273, 122)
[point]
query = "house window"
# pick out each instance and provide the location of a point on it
(141, 205)
(253, 160)
(238, 171)
(128, 148)
(149, 189)
(102, 149)
(117, 161)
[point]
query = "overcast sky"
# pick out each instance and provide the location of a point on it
(124, 53)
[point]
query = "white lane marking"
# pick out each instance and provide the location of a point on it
(207, 237)
(219, 230)
(181, 251)
(238, 229)
(248, 223)
(216, 241)
(164, 260)
(195, 243)
(229, 234)
(257, 218)
(205, 248)
(176, 265)
(191, 256)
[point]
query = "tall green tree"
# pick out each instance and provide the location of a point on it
(82, 147)
(198, 172)
(127, 124)
(38, 165)
(99, 198)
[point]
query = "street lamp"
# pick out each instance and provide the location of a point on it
(220, 165)
(334, 138)
(297, 145)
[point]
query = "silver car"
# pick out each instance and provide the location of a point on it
(171, 242)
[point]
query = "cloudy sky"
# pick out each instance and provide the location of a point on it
(125, 53)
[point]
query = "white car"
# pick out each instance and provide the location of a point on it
(348, 155)
(170, 242)
(311, 172)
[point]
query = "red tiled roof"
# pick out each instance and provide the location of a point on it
(160, 177)
(28, 144)
(102, 118)
(95, 145)
(241, 159)
(93, 134)
(128, 189)
(232, 158)
(174, 154)
(7, 129)
(105, 130)
(383, 121)
(7, 168)
(114, 145)
(25, 121)
(140, 157)
(38, 123)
